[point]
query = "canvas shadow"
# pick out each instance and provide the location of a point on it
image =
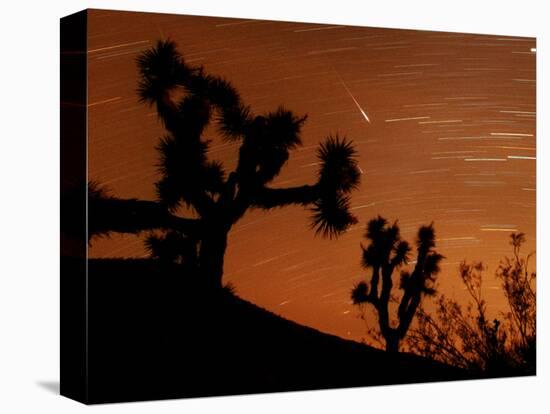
(50, 386)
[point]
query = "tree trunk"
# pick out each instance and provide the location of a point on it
(211, 257)
(392, 343)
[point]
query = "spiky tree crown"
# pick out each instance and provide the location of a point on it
(386, 246)
(188, 100)
(387, 251)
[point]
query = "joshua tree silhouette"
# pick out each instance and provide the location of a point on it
(188, 100)
(386, 253)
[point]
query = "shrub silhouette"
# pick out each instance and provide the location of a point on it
(518, 285)
(187, 101)
(467, 338)
(385, 254)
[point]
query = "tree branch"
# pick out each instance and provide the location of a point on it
(278, 197)
(132, 216)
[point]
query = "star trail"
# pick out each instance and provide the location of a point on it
(449, 137)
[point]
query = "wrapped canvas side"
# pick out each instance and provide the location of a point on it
(73, 284)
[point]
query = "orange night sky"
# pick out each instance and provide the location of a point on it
(444, 124)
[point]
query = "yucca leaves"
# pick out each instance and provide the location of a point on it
(360, 293)
(375, 228)
(338, 176)
(172, 247)
(401, 253)
(339, 170)
(431, 265)
(386, 246)
(331, 215)
(267, 142)
(161, 68)
(233, 121)
(193, 116)
(426, 237)
(220, 92)
(282, 129)
(185, 172)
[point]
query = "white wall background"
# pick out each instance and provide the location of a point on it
(29, 207)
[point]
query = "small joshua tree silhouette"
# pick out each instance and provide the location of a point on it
(385, 254)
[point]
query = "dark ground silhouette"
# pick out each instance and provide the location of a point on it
(154, 335)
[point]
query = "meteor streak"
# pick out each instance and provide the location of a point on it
(353, 98)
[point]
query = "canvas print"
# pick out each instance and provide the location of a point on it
(255, 206)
